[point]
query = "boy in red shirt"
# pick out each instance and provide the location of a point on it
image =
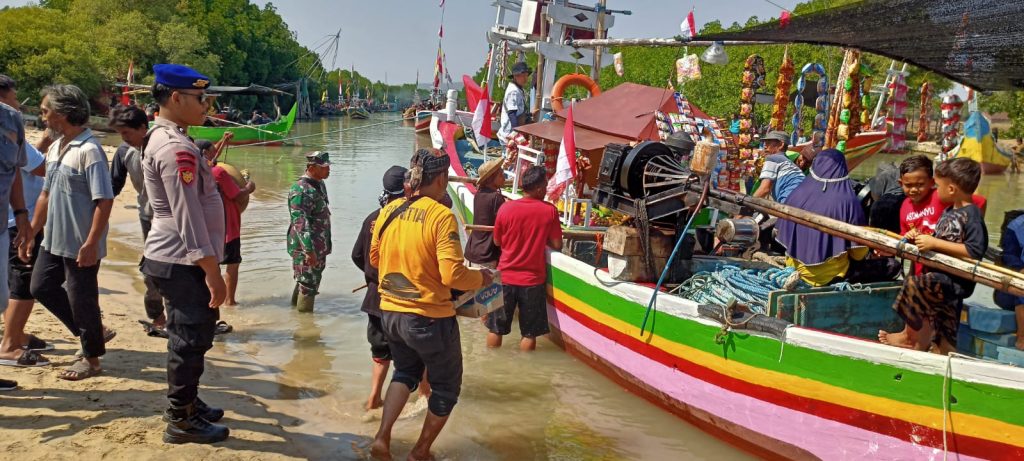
(524, 229)
(930, 303)
(922, 208)
(231, 195)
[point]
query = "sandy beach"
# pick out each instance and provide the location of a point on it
(117, 415)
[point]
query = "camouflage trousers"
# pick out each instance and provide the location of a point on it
(307, 276)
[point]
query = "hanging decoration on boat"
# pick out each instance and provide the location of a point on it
(951, 106)
(782, 86)
(619, 69)
(922, 119)
(849, 108)
(821, 105)
(753, 79)
(897, 120)
(687, 68)
(715, 54)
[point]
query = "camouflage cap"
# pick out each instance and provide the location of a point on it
(320, 157)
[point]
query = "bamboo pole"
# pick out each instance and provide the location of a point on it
(657, 42)
(468, 180)
(568, 233)
(973, 270)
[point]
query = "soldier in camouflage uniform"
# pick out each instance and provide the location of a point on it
(309, 235)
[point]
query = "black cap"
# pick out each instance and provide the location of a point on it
(680, 143)
(394, 180)
(521, 68)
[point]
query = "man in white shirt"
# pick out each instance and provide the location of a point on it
(514, 112)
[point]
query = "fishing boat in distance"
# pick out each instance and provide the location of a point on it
(785, 373)
(357, 112)
(273, 132)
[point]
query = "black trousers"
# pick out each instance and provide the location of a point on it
(190, 326)
(152, 301)
(78, 307)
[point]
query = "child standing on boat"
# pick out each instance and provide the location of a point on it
(930, 302)
(523, 230)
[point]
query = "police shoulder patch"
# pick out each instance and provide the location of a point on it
(187, 175)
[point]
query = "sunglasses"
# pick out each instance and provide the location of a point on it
(203, 98)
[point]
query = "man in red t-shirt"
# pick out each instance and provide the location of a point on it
(922, 208)
(232, 196)
(523, 230)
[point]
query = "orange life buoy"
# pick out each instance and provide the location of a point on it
(568, 80)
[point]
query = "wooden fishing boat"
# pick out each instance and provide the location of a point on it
(811, 387)
(269, 133)
(358, 113)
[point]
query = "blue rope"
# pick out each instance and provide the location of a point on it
(728, 282)
(654, 297)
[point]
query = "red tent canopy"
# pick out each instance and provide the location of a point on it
(627, 111)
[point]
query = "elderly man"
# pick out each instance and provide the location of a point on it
(309, 234)
(514, 111)
(12, 157)
(183, 248)
(73, 207)
(780, 175)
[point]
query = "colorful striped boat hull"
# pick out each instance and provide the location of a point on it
(808, 395)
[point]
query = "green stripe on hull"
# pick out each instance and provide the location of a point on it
(857, 375)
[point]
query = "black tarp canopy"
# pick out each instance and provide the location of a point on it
(979, 43)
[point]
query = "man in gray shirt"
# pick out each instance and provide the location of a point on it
(132, 124)
(74, 208)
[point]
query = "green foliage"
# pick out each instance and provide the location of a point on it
(1011, 102)
(91, 42)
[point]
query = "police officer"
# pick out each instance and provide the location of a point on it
(184, 247)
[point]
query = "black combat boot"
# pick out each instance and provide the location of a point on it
(184, 425)
(211, 414)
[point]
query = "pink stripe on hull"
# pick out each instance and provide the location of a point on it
(823, 437)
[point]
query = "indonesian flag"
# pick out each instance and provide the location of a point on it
(691, 25)
(125, 99)
(565, 168)
(480, 102)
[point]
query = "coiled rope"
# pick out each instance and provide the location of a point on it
(728, 282)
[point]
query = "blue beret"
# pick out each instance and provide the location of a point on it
(179, 76)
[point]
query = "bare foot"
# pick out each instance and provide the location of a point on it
(231, 302)
(900, 339)
(380, 450)
(374, 404)
(1020, 342)
(414, 456)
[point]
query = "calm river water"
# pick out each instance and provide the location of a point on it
(514, 406)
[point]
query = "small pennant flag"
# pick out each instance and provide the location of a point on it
(442, 4)
(690, 26)
(784, 19)
(565, 168)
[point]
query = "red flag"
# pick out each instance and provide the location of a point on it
(565, 168)
(125, 99)
(480, 103)
(784, 19)
(691, 24)
(438, 69)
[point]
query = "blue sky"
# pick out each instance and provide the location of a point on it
(397, 37)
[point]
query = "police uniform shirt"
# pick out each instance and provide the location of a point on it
(188, 215)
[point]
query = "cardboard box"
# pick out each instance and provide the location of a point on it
(477, 303)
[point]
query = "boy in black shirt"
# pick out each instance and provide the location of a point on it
(930, 303)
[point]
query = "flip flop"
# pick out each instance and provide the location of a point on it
(36, 344)
(152, 330)
(8, 385)
(81, 369)
(28, 358)
(223, 327)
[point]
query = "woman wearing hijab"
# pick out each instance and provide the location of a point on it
(821, 258)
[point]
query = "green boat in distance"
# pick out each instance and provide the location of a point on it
(270, 133)
(358, 113)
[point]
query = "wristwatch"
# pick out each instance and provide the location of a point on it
(20, 211)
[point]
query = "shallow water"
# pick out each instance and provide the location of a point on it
(544, 405)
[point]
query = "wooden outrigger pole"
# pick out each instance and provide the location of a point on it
(974, 270)
(655, 42)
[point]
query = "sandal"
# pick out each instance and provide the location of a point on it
(79, 371)
(153, 330)
(28, 358)
(223, 327)
(108, 334)
(36, 344)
